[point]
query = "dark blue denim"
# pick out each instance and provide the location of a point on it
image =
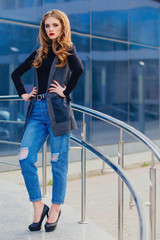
(36, 132)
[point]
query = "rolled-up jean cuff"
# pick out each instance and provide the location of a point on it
(57, 202)
(35, 200)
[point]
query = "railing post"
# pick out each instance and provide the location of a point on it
(83, 174)
(120, 188)
(152, 171)
(44, 175)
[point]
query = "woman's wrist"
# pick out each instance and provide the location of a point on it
(25, 96)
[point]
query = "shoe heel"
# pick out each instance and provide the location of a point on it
(37, 226)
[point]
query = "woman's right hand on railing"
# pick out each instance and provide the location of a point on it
(27, 97)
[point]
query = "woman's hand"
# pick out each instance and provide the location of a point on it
(27, 97)
(57, 88)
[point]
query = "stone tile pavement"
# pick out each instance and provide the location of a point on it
(102, 201)
(16, 214)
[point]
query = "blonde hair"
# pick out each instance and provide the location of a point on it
(63, 42)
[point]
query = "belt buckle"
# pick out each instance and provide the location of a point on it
(39, 97)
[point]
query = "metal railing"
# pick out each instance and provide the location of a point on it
(144, 229)
(143, 219)
(152, 172)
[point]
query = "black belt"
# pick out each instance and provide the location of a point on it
(41, 96)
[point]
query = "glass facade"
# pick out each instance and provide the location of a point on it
(118, 42)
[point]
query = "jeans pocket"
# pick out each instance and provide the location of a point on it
(61, 109)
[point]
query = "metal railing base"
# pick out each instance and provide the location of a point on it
(45, 196)
(83, 222)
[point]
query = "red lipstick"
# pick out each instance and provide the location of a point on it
(51, 34)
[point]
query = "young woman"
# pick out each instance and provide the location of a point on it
(58, 69)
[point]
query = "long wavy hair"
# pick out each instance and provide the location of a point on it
(62, 44)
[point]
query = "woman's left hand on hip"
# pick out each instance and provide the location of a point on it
(57, 88)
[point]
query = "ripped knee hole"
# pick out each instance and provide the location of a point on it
(54, 157)
(23, 153)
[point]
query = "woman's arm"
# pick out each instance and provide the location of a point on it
(19, 71)
(76, 68)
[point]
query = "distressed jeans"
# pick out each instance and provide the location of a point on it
(36, 132)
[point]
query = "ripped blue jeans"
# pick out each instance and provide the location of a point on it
(36, 132)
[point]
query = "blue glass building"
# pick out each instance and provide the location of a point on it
(118, 42)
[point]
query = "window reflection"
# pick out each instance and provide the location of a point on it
(144, 22)
(17, 44)
(28, 11)
(110, 78)
(110, 19)
(144, 90)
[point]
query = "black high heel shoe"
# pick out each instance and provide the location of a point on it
(37, 226)
(49, 227)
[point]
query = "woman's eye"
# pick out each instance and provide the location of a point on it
(54, 25)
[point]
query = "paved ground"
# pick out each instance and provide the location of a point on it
(101, 204)
(102, 201)
(16, 214)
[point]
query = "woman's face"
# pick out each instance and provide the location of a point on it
(52, 27)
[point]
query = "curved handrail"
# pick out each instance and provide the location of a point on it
(131, 130)
(144, 225)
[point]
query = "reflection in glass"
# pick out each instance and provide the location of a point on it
(11, 111)
(110, 19)
(144, 90)
(110, 78)
(144, 22)
(17, 43)
(29, 11)
(109, 87)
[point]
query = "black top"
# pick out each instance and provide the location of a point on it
(75, 66)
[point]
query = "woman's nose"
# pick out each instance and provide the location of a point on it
(51, 28)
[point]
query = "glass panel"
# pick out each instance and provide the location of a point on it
(11, 111)
(29, 11)
(109, 18)
(110, 85)
(16, 44)
(110, 78)
(144, 22)
(77, 11)
(144, 90)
